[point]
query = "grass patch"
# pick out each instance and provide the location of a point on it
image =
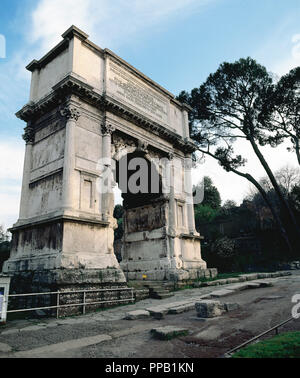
(285, 345)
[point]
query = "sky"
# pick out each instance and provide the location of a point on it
(177, 43)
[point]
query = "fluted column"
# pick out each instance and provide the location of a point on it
(29, 139)
(189, 195)
(172, 208)
(72, 114)
(107, 183)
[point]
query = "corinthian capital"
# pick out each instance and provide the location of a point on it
(70, 112)
(107, 128)
(142, 146)
(28, 135)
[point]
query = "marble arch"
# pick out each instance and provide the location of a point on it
(87, 104)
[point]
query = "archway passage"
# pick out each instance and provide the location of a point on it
(145, 217)
(138, 180)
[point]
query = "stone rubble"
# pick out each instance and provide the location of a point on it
(137, 314)
(209, 309)
(168, 332)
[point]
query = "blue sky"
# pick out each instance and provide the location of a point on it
(175, 42)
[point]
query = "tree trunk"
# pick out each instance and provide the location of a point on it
(273, 211)
(275, 185)
(251, 179)
(297, 149)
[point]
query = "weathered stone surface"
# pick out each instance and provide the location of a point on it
(264, 275)
(168, 332)
(231, 306)
(157, 312)
(238, 286)
(275, 274)
(251, 276)
(232, 280)
(182, 308)
(37, 327)
(66, 224)
(221, 293)
(254, 285)
(264, 283)
(5, 348)
(10, 331)
(137, 314)
(213, 272)
(209, 309)
(272, 297)
(221, 282)
(205, 296)
(210, 283)
(285, 273)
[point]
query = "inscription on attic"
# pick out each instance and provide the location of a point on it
(131, 90)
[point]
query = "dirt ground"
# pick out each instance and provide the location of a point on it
(259, 310)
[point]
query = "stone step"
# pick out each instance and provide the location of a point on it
(162, 295)
(157, 312)
(221, 293)
(137, 314)
(168, 332)
(182, 308)
(157, 290)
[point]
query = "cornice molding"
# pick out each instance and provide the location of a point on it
(71, 85)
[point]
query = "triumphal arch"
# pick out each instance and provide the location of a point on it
(92, 120)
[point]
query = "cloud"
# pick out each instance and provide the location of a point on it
(11, 167)
(279, 50)
(292, 59)
(109, 23)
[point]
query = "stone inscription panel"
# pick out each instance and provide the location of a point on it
(130, 90)
(146, 218)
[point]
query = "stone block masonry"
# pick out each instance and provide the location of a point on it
(83, 121)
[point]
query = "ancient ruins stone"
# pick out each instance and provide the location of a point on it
(85, 121)
(182, 308)
(254, 285)
(264, 283)
(210, 283)
(275, 274)
(231, 306)
(137, 314)
(209, 309)
(157, 312)
(222, 282)
(213, 272)
(5, 348)
(232, 280)
(251, 276)
(264, 275)
(168, 332)
(221, 293)
(238, 286)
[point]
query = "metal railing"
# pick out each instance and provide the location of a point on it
(84, 304)
(231, 351)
